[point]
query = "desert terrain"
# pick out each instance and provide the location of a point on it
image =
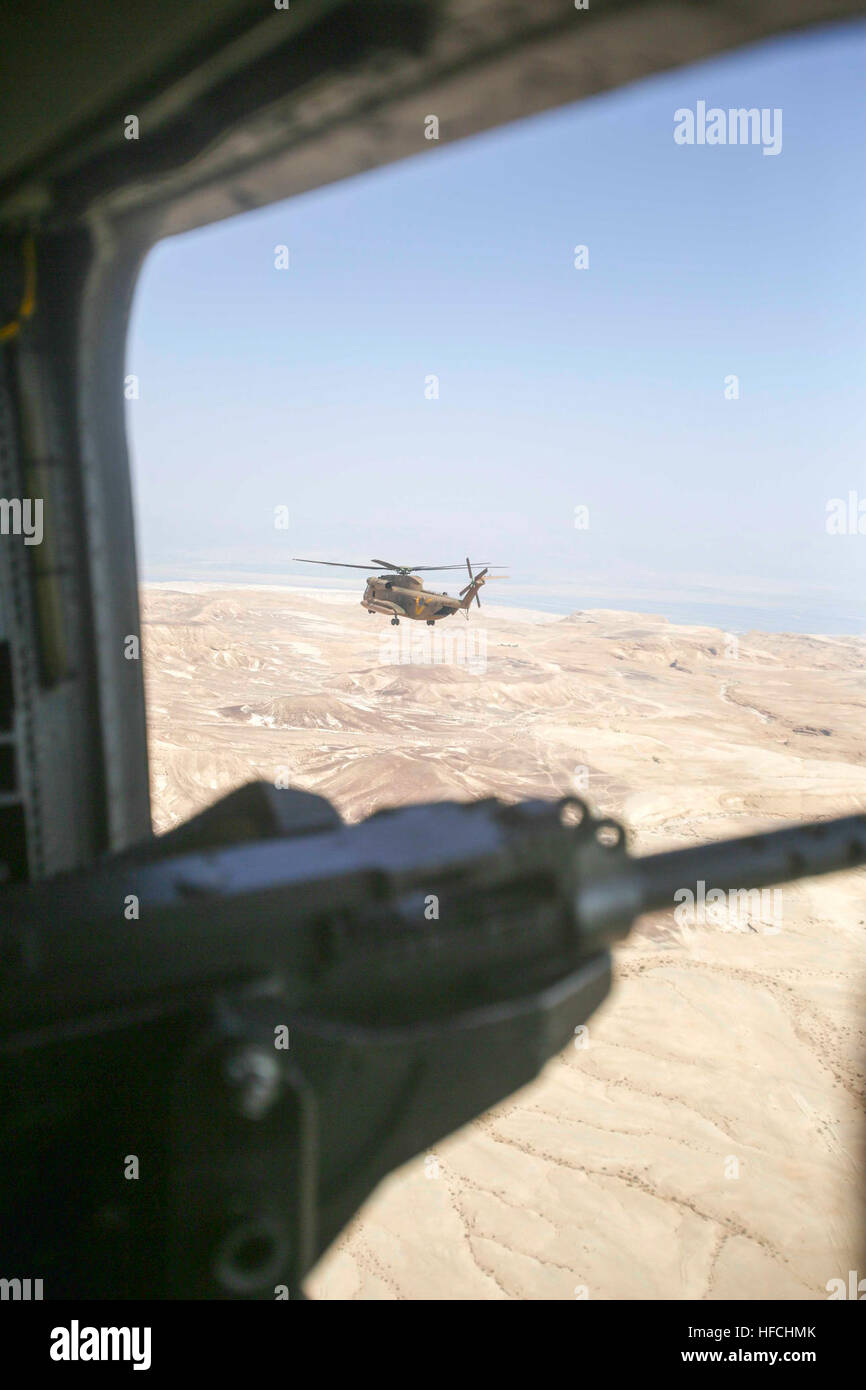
(705, 1138)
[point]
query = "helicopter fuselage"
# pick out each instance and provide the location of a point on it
(404, 596)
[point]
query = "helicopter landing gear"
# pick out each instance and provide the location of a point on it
(395, 622)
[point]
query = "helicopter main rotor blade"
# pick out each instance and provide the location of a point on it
(414, 569)
(384, 564)
(417, 569)
(337, 564)
(421, 569)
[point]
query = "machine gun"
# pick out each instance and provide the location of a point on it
(213, 1048)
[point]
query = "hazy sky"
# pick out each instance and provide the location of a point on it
(602, 387)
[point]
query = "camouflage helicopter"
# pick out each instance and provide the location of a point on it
(398, 592)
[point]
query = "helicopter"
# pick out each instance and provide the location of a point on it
(398, 591)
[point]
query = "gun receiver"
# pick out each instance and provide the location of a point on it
(271, 1010)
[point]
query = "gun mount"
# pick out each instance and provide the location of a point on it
(268, 1010)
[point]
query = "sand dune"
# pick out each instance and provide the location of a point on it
(707, 1141)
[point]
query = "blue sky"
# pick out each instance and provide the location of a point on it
(558, 387)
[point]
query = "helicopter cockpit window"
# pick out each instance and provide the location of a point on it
(600, 372)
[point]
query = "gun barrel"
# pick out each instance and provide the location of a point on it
(755, 861)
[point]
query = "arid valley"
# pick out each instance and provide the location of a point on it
(704, 1139)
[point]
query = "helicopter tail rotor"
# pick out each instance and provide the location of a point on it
(475, 582)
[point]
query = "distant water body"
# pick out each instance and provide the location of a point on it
(819, 615)
(847, 618)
